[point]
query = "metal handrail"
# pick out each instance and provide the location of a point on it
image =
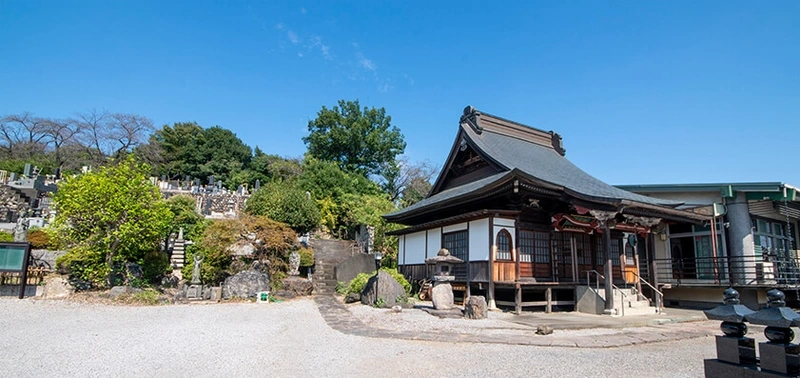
(659, 304)
(597, 288)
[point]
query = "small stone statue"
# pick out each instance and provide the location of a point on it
(198, 260)
(21, 229)
(294, 263)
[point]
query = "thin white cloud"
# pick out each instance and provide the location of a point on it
(303, 10)
(299, 55)
(279, 26)
(366, 62)
(316, 43)
(293, 38)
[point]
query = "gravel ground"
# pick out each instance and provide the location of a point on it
(41, 338)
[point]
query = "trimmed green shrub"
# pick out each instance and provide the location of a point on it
(357, 284)
(306, 257)
(6, 237)
(85, 265)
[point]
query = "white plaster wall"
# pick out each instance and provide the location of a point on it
(504, 222)
(401, 243)
(415, 248)
(479, 246)
(455, 227)
(434, 241)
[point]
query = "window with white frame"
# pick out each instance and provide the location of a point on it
(771, 239)
(503, 242)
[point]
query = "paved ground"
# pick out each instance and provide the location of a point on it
(41, 338)
(598, 331)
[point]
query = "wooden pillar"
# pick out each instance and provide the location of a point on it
(548, 294)
(636, 267)
(490, 298)
(518, 298)
(609, 272)
(469, 271)
(651, 254)
(515, 251)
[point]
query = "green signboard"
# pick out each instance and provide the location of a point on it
(12, 257)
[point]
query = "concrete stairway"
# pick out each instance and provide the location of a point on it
(328, 253)
(633, 304)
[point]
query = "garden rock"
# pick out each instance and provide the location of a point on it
(475, 308)
(58, 288)
(544, 330)
(382, 286)
(352, 298)
(442, 296)
(133, 272)
(169, 281)
(116, 291)
(245, 284)
(397, 308)
(298, 286)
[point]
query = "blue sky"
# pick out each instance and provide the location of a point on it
(642, 92)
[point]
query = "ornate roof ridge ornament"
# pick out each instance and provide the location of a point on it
(644, 221)
(603, 216)
(470, 117)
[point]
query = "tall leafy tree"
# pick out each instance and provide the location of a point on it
(331, 187)
(361, 140)
(224, 155)
(114, 212)
(180, 149)
(285, 202)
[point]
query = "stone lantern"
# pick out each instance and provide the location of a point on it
(734, 347)
(779, 354)
(442, 292)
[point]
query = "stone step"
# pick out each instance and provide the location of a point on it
(636, 311)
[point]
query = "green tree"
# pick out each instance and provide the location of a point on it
(188, 149)
(185, 216)
(285, 202)
(272, 242)
(358, 140)
(114, 212)
(181, 149)
(329, 185)
(266, 167)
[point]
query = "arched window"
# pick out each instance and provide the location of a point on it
(503, 241)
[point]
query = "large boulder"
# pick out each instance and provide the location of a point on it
(442, 296)
(245, 284)
(297, 286)
(116, 291)
(58, 288)
(475, 308)
(382, 286)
